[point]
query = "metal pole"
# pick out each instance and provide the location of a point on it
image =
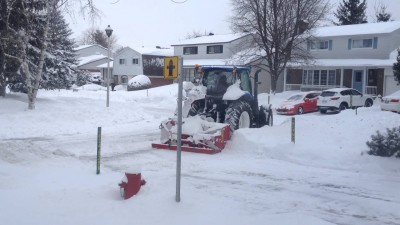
(178, 157)
(293, 130)
(98, 149)
(108, 74)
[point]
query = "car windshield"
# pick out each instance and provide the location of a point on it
(328, 93)
(295, 97)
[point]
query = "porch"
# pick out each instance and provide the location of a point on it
(365, 80)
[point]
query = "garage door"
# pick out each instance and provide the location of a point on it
(390, 85)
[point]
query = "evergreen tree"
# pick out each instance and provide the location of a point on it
(387, 145)
(82, 77)
(382, 15)
(351, 12)
(396, 68)
(60, 65)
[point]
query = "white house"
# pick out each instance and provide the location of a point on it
(130, 62)
(358, 56)
(210, 50)
(91, 57)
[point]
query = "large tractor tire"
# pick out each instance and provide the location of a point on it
(239, 115)
(196, 108)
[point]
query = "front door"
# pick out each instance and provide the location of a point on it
(358, 80)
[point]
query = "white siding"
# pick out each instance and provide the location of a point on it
(128, 68)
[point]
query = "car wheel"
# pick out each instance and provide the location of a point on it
(343, 106)
(300, 110)
(323, 111)
(368, 103)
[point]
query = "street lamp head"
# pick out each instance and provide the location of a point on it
(109, 31)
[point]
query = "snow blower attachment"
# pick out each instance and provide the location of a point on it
(221, 100)
(198, 135)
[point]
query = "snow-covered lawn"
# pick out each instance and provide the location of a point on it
(48, 166)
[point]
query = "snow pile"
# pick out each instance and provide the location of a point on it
(92, 87)
(233, 92)
(48, 165)
(139, 82)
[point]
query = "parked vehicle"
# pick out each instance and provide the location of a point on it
(299, 103)
(391, 102)
(338, 99)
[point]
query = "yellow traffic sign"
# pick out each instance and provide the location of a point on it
(171, 67)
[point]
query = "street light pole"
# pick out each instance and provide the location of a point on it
(108, 32)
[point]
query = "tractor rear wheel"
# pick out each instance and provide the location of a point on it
(239, 115)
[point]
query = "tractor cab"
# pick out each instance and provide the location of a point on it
(218, 79)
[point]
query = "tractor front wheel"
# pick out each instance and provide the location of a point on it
(239, 115)
(196, 108)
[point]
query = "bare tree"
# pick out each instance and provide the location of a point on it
(280, 29)
(96, 36)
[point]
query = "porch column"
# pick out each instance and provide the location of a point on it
(341, 76)
(365, 80)
(284, 78)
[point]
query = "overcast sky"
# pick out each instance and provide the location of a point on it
(162, 22)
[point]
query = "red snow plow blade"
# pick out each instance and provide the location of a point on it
(198, 135)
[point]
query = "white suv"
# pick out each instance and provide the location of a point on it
(342, 98)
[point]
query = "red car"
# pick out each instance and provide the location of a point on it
(300, 103)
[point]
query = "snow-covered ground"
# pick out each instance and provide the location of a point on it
(48, 166)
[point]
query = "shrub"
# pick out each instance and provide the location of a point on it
(139, 82)
(387, 144)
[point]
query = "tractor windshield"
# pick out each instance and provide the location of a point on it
(217, 81)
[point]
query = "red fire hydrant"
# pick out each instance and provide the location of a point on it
(131, 185)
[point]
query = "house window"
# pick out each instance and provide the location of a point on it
(214, 49)
(363, 43)
(124, 79)
(135, 61)
(121, 61)
(316, 77)
(332, 77)
(324, 77)
(319, 45)
(190, 50)
(319, 77)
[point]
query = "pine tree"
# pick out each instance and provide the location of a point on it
(396, 68)
(60, 65)
(82, 77)
(382, 15)
(386, 145)
(351, 12)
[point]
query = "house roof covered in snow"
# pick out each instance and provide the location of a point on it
(105, 65)
(154, 51)
(347, 63)
(204, 62)
(87, 46)
(357, 29)
(210, 39)
(89, 59)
